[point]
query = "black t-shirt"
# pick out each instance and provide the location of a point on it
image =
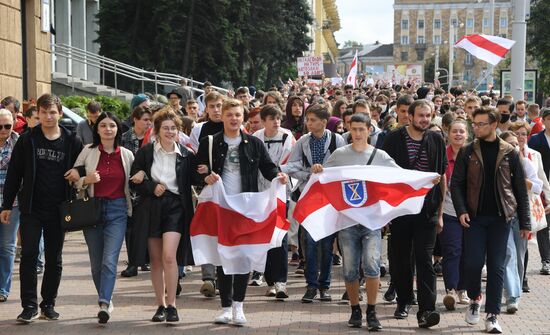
(51, 165)
(489, 151)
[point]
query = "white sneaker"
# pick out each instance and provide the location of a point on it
(484, 273)
(491, 324)
(225, 317)
(472, 313)
(463, 298)
(271, 292)
(449, 300)
(111, 307)
(238, 314)
(280, 291)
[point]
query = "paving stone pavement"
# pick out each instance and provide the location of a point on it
(134, 306)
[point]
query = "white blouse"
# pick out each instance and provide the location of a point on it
(163, 170)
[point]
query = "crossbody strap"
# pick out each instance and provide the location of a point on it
(372, 156)
(210, 144)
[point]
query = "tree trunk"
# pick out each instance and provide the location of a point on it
(187, 52)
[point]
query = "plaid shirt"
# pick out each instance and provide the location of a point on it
(130, 141)
(317, 146)
(5, 156)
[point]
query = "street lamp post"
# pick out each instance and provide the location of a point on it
(451, 53)
(436, 63)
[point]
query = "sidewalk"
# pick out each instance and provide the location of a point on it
(134, 306)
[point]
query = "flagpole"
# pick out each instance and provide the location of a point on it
(490, 80)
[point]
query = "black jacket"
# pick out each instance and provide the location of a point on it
(22, 167)
(252, 154)
(148, 206)
(395, 144)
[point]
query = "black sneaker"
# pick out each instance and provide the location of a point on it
(130, 271)
(324, 295)
(390, 294)
(383, 271)
(146, 267)
(160, 315)
(356, 318)
(525, 286)
(256, 279)
(28, 315)
(172, 314)
(311, 293)
(178, 288)
(402, 311)
(372, 322)
(336, 260)
(300, 268)
(345, 296)
(438, 269)
(428, 319)
(48, 313)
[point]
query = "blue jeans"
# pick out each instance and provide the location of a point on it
(451, 250)
(8, 236)
(515, 258)
(104, 244)
(360, 246)
(487, 237)
(314, 264)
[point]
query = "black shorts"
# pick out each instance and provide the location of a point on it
(171, 216)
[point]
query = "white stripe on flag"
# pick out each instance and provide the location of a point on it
(478, 52)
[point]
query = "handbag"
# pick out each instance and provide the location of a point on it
(538, 217)
(78, 214)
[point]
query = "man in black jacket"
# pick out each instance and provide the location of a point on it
(488, 189)
(41, 159)
(414, 147)
(236, 160)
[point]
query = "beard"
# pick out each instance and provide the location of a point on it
(419, 128)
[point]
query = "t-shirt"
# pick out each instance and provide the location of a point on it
(489, 151)
(418, 157)
(231, 176)
(51, 165)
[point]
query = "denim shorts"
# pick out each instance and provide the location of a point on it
(360, 245)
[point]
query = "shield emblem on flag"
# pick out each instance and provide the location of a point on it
(354, 192)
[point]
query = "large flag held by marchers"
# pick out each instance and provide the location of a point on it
(491, 49)
(236, 231)
(352, 71)
(341, 197)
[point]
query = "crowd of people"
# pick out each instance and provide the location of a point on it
(492, 156)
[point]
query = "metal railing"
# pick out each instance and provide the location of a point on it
(73, 54)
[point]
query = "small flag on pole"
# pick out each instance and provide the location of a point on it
(491, 49)
(352, 71)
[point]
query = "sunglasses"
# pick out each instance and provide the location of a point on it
(5, 126)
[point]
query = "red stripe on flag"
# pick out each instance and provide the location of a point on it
(486, 44)
(233, 228)
(315, 198)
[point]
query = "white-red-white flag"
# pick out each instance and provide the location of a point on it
(341, 197)
(352, 71)
(491, 49)
(236, 231)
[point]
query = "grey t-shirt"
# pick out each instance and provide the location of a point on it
(231, 167)
(347, 156)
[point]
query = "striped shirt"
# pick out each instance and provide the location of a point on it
(418, 160)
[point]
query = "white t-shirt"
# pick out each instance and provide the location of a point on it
(231, 176)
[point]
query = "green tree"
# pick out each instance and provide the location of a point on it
(538, 39)
(352, 44)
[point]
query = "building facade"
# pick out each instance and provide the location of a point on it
(325, 22)
(25, 58)
(423, 28)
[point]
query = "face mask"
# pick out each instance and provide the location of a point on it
(383, 107)
(504, 118)
(429, 97)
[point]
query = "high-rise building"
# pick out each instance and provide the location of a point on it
(422, 26)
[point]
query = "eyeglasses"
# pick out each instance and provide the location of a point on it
(5, 126)
(479, 124)
(522, 133)
(349, 91)
(169, 128)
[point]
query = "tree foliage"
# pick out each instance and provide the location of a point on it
(352, 44)
(538, 40)
(240, 41)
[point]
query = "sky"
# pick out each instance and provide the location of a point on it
(365, 21)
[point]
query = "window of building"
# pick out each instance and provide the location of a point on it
(485, 22)
(437, 39)
(467, 75)
(470, 23)
(437, 24)
(469, 59)
(504, 22)
(404, 56)
(420, 54)
(420, 24)
(404, 24)
(454, 22)
(404, 40)
(420, 39)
